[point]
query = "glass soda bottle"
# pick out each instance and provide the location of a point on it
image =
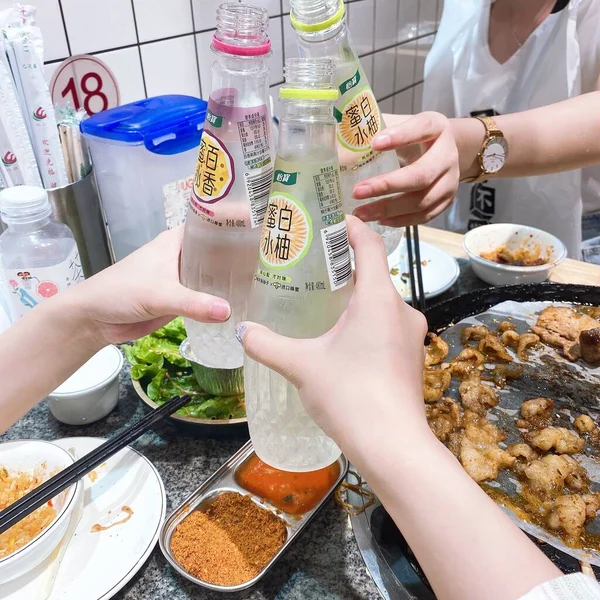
(322, 32)
(38, 256)
(304, 279)
(232, 180)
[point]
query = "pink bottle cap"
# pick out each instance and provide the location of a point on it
(258, 50)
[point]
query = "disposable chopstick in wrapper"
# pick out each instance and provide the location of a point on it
(17, 160)
(74, 148)
(26, 58)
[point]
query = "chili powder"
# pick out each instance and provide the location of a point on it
(229, 542)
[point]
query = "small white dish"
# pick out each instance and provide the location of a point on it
(490, 237)
(91, 392)
(97, 565)
(440, 270)
(27, 456)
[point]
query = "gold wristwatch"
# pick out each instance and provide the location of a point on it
(493, 153)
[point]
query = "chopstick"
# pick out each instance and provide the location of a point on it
(67, 477)
(415, 266)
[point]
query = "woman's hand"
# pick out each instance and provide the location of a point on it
(369, 367)
(423, 188)
(142, 292)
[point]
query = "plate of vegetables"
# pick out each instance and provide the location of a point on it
(159, 373)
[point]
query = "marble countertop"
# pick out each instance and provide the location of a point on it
(324, 563)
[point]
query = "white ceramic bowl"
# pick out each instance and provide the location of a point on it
(489, 237)
(25, 456)
(91, 392)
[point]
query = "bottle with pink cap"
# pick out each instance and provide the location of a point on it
(232, 180)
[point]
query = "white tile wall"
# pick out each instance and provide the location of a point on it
(163, 46)
(386, 23)
(403, 103)
(93, 26)
(170, 67)
(383, 81)
(361, 25)
(158, 19)
(49, 20)
(127, 69)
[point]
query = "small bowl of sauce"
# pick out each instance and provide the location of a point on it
(292, 493)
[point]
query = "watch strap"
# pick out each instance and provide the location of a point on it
(491, 130)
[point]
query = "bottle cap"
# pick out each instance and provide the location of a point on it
(24, 203)
(310, 16)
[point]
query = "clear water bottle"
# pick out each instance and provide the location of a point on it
(38, 256)
(232, 180)
(304, 278)
(322, 32)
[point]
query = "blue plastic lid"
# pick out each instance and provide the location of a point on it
(164, 124)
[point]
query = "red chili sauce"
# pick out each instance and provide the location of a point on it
(293, 493)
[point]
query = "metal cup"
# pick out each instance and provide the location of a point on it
(78, 206)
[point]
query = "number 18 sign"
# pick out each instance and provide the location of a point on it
(84, 82)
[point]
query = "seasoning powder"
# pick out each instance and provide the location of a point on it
(230, 542)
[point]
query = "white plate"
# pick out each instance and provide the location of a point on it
(97, 565)
(440, 270)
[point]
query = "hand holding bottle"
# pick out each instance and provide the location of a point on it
(142, 292)
(426, 185)
(365, 371)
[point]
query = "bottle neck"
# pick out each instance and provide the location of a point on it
(333, 42)
(20, 225)
(308, 110)
(240, 80)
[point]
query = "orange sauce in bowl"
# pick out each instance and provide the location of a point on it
(293, 493)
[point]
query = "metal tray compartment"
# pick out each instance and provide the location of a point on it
(223, 480)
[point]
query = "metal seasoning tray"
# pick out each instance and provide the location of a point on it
(223, 480)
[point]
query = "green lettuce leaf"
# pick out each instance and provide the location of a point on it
(174, 331)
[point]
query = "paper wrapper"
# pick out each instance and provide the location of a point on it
(575, 388)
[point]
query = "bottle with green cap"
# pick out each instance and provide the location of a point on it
(38, 256)
(304, 279)
(322, 32)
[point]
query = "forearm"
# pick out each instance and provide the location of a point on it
(41, 351)
(466, 545)
(554, 138)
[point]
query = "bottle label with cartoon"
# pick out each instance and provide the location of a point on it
(357, 114)
(27, 287)
(235, 166)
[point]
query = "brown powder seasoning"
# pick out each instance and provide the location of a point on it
(229, 542)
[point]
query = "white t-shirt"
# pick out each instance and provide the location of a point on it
(559, 60)
(569, 587)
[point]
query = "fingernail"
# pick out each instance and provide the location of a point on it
(383, 139)
(220, 310)
(240, 329)
(364, 190)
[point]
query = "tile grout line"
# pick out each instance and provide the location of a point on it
(196, 47)
(64, 22)
(404, 89)
(137, 37)
(412, 102)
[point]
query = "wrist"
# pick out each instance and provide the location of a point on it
(468, 136)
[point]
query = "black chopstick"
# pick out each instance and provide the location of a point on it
(67, 477)
(411, 269)
(419, 269)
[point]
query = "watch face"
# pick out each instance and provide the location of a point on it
(494, 155)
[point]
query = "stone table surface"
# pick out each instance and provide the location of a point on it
(324, 563)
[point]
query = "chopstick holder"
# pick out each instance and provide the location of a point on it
(67, 477)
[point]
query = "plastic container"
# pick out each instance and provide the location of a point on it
(142, 152)
(91, 392)
(38, 256)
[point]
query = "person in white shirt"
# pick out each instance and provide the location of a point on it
(506, 56)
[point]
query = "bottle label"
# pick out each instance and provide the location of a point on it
(305, 198)
(357, 114)
(28, 287)
(176, 199)
(234, 162)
